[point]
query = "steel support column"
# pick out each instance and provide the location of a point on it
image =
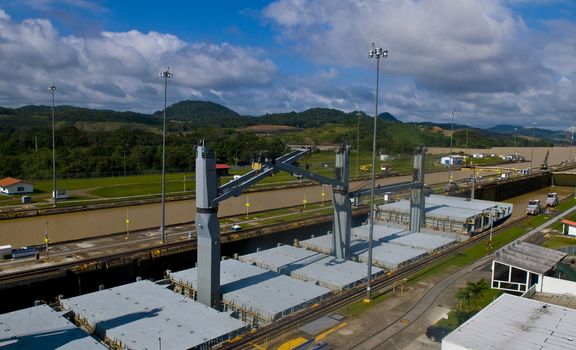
(342, 207)
(208, 228)
(417, 200)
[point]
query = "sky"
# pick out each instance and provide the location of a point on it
(489, 61)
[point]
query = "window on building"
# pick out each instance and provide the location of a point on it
(20, 189)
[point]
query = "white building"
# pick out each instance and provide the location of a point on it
(10, 185)
(515, 323)
(520, 265)
(452, 160)
(568, 227)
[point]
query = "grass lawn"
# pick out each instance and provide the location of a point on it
(555, 241)
(87, 183)
(360, 306)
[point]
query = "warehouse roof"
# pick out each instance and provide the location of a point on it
(516, 323)
(138, 314)
(382, 233)
(40, 327)
(426, 241)
(392, 256)
(334, 273)
(529, 257)
(267, 293)
(283, 259)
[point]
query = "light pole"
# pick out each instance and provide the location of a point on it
(54, 191)
(571, 145)
(46, 240)
(533, 124)
(166, 74)
(466, 138)
(357, 144)
(491, 225)
(375, 52)
(451, 159)
(515, 151)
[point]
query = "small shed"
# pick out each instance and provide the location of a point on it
(568, 227)
(10, 185)
(222, 169)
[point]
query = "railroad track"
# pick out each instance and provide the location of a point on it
(379, 285)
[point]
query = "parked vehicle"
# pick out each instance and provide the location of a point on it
(24, 252)
(5, 252)
(534, 207)
(552, 199)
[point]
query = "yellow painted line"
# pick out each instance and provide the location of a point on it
(323, 335)
(291, 344)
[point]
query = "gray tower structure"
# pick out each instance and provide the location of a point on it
(417, 200)
(342, 206)
(207, 227)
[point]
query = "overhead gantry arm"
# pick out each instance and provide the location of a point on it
(234, 188)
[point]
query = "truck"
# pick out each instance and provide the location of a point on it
(5, 252)
(552, 199)
(534, 207)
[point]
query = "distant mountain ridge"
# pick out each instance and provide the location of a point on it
(190, 114)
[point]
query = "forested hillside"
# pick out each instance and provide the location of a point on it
(105, 143)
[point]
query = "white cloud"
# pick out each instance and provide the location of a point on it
(4, 16)
(478, 56)
(117, 70)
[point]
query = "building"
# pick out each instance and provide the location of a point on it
(520, 265)
(450, 214)
(452, 160)
(222, 169)
(10, 185)
(511, 322)
(568, 227)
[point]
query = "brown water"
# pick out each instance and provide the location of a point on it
(64, 227)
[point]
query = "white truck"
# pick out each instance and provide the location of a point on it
(534, 207)
(5, 252)
(552, 199)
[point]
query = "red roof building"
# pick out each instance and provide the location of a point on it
(568, 227)
(222, 169)
(10, 185)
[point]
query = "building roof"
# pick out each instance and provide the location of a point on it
(334, 273)
(516, 323)
(139, 313)
(568, 222)
(426, 241)
(40, 327)
(9, 181)
(283, 259)
(267, 293)
(392, 256)
(381, 233)
(456, 208)
(222, 166)
(529, 257)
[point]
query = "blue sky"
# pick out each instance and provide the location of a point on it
(490, 61)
